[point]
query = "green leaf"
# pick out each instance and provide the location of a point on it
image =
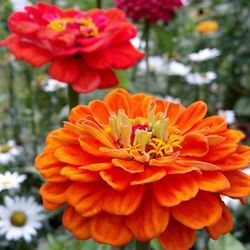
(123, 80)
(242, 106)
(164, 38)
(226, 242)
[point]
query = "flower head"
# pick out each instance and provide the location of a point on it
(133, 166)
(9, 152)
(10, 180)
(20, 217)
(200, 78)
(152, 10)
(228, 114)
(207, 27)
(177, 68)
(204, 54)
(83, 47)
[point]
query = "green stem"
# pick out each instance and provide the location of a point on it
(99, 4)
(12, 107)
(142, 245)
(146, 38)
(73, 97)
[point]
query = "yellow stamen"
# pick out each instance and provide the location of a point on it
(18, 218)
(142, 138)
(5, 148)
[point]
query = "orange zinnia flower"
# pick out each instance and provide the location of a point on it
(207, 27)
(133, 166)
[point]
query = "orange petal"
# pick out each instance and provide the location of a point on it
(117, 178)
(203, 210)
(149, 220)
(244, 150)
(198, 164)
(78, 113)
(220, 151)
(213, 181)
(124, 202)
(46, 160)
(91, 145)
(115, 153)
(110, 229)
(174, 189)
(86, 198)
(233, 162)
(240, 184)
(191, 115)
(100, 111)
(96, 167)
(164, 162)
(49, 205)
(129, 166)
(174, 110)
(136, 110)
(214, 139)
(75, 174)
(72, 154)
(223, 226)
(76, 224)
(62, 136)
(212, 125)
(194, 144)
(115, 101)
(53, 173)
(177, 236)
(54, 192)
(151, 174)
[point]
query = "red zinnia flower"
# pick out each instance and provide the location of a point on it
(132, 166)
(152, 10)
(83, 47)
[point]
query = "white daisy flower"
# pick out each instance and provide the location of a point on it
(204, 54)
(9, 152)
(20, 217)
(228, 114)
(177, 68)
(52, 85)
(10, 180)
(156, 64)
(19, 4)
(201, 78)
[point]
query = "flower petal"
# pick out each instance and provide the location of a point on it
(129, 166)
(149, 220)
(240, 184)
(223, 225)
(195, 145)
(177, 236)
(174, 189)
(151, 174)
(76, 224)
(203, 210)
(110, 229)
(213, 181)
(191, 115)
(123, 202)
(117, 178)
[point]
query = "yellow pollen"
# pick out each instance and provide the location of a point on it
(144, 139)
(6, 183)
(85, 25)
(18, 218)
(5, 149)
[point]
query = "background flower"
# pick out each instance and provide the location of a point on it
(83, 47)
(20, 217)
(204, 54)
(149, 9)
(9, 152)
(207, 27)
(136, 166)
(177, 68)
(200, 78)
(10, 180)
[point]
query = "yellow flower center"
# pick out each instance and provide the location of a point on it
(18, 218)
(207, 27)
(85, 25)
(5, 149)
(145, 139)
(6, 183)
